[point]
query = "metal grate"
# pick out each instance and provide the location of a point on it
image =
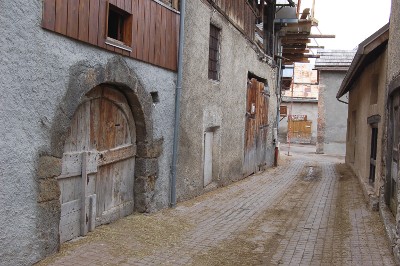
(213, 62)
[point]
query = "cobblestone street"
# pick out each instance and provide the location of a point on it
(308, 211)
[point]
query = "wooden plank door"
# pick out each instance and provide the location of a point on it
(299, 131)
(98, 164)
(256, 128)
(393, 149)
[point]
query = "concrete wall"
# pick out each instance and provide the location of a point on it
(39, 72)
(220, 105)
(307, 108)
(364, 103)
(332, 115)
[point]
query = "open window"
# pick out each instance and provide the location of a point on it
(119, 28)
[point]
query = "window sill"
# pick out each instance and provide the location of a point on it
(118, 44)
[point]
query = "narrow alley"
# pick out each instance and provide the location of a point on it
(308, 211)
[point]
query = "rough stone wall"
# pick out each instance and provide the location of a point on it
(216, 104)
(331, 135)
(394, 73)
(309, 109)
(37, 69)
(360, 101)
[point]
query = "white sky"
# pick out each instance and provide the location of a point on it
(352, 21)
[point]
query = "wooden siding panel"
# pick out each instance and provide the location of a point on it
(73, 18)
(135, 15)
(153, 19)
(94, 21)
(146, 36)
(140, 32)
(83, 21)
(164, 36)
(169, 41)
(101, 34)
(157, 38)
(155, 28)
(61, 17)
(49, 14)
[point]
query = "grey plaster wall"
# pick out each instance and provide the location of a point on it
(35, 74)
(332, 120)
(216, 104)
(309, 109)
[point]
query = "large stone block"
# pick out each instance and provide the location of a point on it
(49, 167)
(146, 167)
(48, 190)
(150, 150)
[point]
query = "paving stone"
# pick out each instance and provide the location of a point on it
(279, 217)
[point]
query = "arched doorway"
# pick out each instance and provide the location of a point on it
(98, 163)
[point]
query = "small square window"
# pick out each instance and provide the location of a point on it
(119, 26)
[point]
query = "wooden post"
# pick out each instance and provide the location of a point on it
(312, 10)
(84, 180)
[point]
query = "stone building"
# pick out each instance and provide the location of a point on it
(88, 112)
(83, 102)
(331, 134)
(228, 103)
(389, 203)
(300, 100)
(365, 83)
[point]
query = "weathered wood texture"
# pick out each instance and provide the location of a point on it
(240, 13)
(154, 33)
(299, 131)
(256, 128)
(98, 163)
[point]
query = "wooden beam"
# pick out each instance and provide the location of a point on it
(307, 35)
(291, 56)
(295, 41)
(302, 60)
(295, 51)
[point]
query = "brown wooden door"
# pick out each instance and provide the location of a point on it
(393, 150)
(299, 131)
(256, 128)
(98, 164)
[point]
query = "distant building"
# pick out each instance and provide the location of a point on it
(332, 66)
(300, 101)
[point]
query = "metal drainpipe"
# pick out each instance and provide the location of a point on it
(177, 103)
(278, 101)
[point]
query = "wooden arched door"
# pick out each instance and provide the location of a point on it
(98, 163)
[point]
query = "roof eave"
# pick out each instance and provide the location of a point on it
(361, 59)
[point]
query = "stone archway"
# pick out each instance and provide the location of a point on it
(83, 78)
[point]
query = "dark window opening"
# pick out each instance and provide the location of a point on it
(213, 57)
(119, 26)
(154, 96)
(372, 166)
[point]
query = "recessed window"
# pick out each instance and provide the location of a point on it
(154, 96)
(119, 25)
(213, 57)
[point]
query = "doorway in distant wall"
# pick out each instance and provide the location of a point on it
(393, 152)
(256, 126)
(299, 129)
(211, 151)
